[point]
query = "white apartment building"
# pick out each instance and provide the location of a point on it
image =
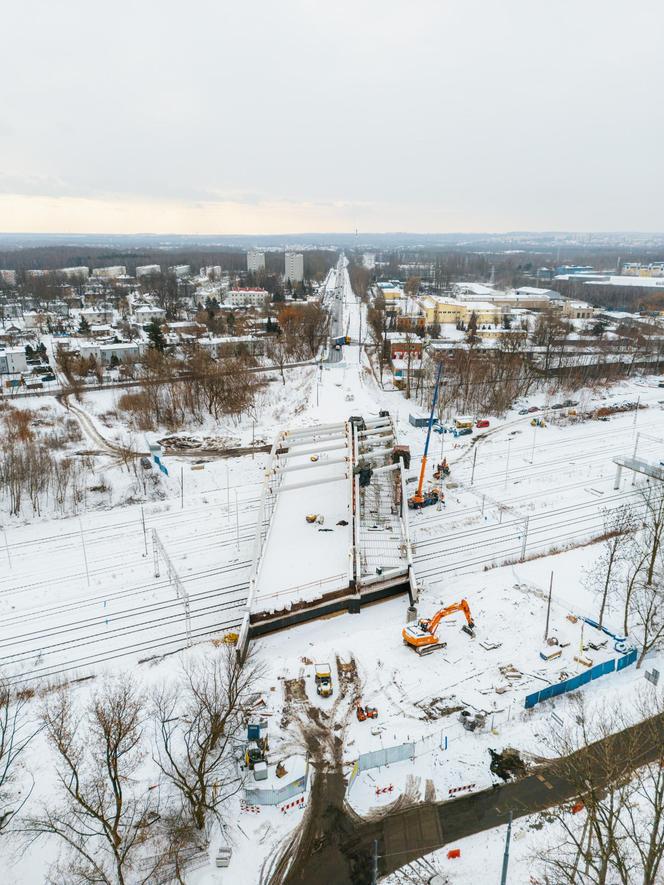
(213, 272)
(146, 270)
(180, 270)
(255, 260)
(294, 267)
(246, 297)
(12, 360)
(104, 353)
(75, 273)
(8, 276)
(149, 312)
(233, 345)
(109, 273)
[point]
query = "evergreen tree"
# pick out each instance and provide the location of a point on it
(83, 326)
(156, 336)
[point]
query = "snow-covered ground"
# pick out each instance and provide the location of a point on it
(79, 596)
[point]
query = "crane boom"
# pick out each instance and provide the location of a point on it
(461, 606)
(418, 498)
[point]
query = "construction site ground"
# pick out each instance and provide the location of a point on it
(419, 699)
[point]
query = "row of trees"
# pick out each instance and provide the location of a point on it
(628, 575)
(139, 777)
(174, 393)
(618, 837)
(32, 472)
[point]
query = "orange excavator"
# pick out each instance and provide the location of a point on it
(422, 635)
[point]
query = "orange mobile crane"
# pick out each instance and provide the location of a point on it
(422, 635)
(433, 496)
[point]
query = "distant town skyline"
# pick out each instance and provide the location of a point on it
(256, 118)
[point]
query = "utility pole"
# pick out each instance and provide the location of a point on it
(636, 413)
(472, 475)
(507, 460)
(145, 534)
(532, 454)
(548, 609)
(85, 555)
(237, 521)
(506, 855)
(525, 538)
(9, 559)
(182, 487)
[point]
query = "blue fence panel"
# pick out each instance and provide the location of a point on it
(572, 683)
(532, 699)
(626, 660)
(597, 671)
(582, 679)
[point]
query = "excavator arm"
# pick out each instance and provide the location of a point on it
(462, 606)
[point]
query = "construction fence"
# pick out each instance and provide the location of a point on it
(552, 691)
(400, 752)
(268, 796)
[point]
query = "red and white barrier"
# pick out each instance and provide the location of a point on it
(296, 803)
(381, 790)
(467, 788)
(245, 806)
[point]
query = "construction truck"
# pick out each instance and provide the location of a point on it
(344, 339)
(323, 675)
(432, 496)
(443, 469)
(257, 744)
(422, 636)
(366, 713)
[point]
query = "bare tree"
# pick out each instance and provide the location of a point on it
(102, 813)
(198, 722)
(653, 527)
(605, 577)
(647, 616)
(17, 729)
(277, 351)
(618, 836)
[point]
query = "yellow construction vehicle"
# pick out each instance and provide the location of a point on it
(422, 636)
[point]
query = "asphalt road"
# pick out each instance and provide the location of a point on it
(344, 843)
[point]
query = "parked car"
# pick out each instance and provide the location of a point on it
(534, 409)
(570, 403)
(462, 431)
(483, 422)
(557, 406)
(523, 411)
(49, 377)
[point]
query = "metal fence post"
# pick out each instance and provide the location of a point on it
(524, 540)
(155, 553)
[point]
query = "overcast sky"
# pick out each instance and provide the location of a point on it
(258, 116)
